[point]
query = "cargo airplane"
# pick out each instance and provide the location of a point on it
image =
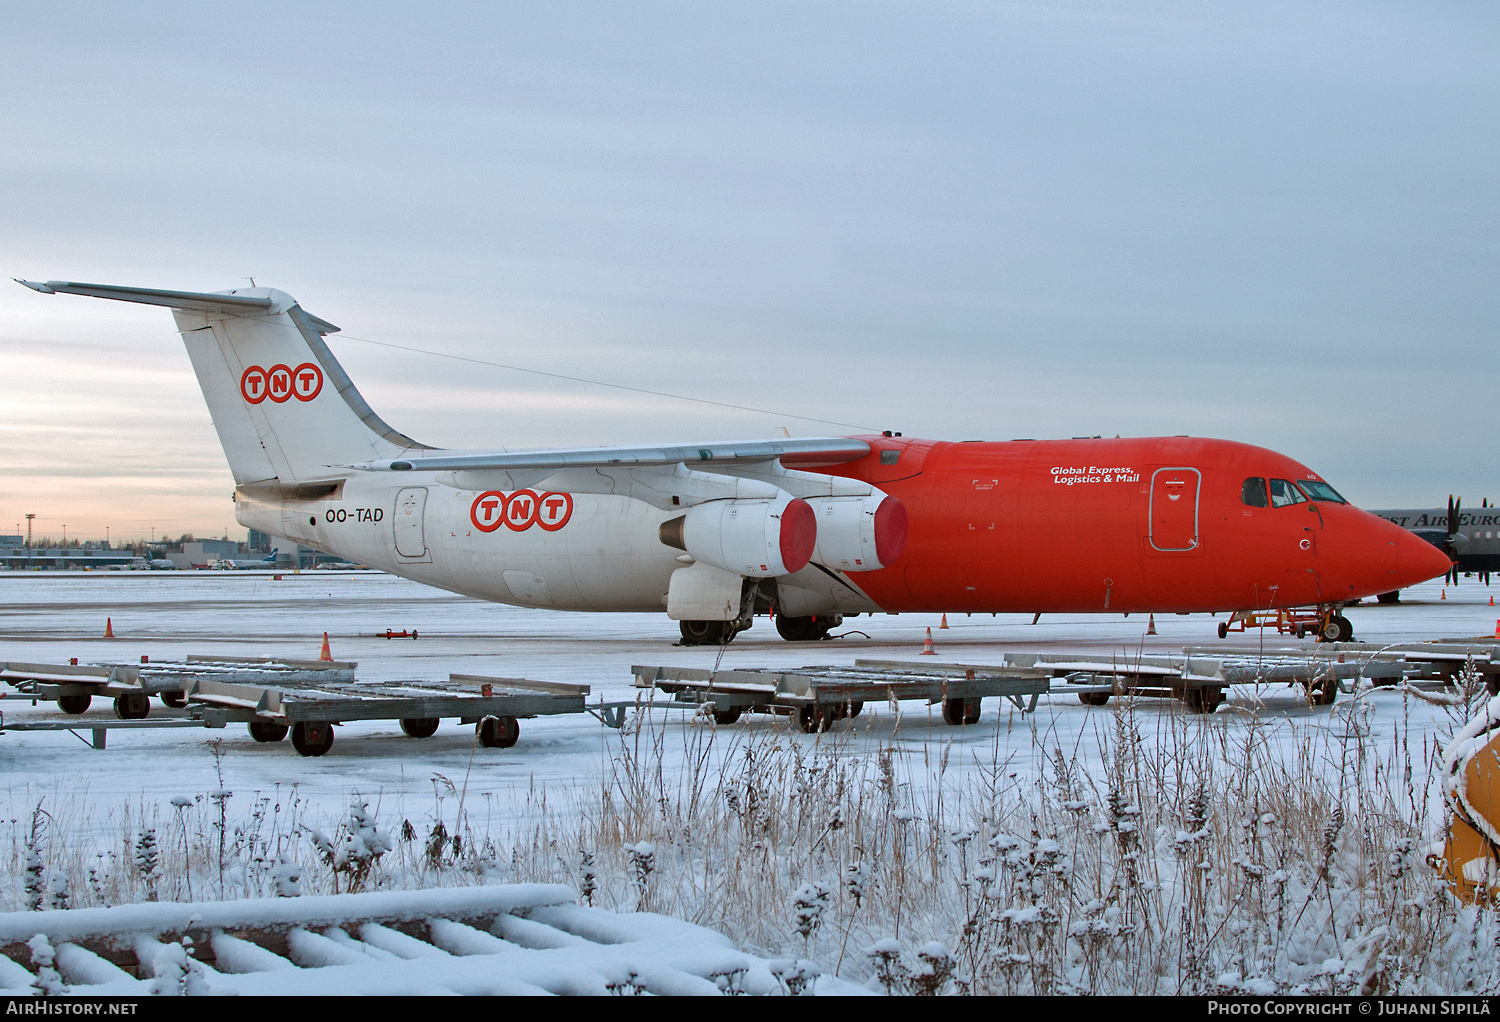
(807, 529)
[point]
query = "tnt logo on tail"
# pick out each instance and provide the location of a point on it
(281, 384)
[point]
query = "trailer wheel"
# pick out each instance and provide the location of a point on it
(816, 718)
(961, 711)
(419, 727)
(267, 731)
(74, 704)
(312, 737)
(132, 706)
(1203, 700)
(176, 700)
(728, 716)
(1223, 630)
(499, 732)
(705, 633)
(1097, 698)
(1324, 693)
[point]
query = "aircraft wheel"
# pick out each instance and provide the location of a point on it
(74, 704)
(1096, 698)
(1391, 597)
(1336, 629)
(705, 633)
(132, 706)
(312, 737)
(176, 700)
(961, 711)
(267, 731)
(1223, 630)
(1203, 700)
(419, 727)
(728, 716)
(499, 732)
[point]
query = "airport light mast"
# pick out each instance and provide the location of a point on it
(28, 539)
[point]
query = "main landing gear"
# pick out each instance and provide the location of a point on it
(806, 629)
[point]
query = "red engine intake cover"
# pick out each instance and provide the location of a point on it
(799, 534)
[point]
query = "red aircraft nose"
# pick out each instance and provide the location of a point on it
(1418, 560)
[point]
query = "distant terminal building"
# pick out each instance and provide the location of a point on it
(203, 551)
(13, 554)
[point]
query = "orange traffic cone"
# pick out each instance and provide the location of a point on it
(927, 649)
(1492, 601)
(944, 624)
(325, 653)
(109, 629)
(1497, 629)
(1151, 625)
(1443, 595)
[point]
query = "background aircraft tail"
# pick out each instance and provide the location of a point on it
(286, 412)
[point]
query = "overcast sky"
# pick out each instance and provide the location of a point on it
(1269, 223)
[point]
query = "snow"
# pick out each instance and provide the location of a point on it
(374, 777)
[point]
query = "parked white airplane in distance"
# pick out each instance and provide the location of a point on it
(811, 528)
(246, 564)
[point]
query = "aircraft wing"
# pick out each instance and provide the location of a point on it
(798, 450)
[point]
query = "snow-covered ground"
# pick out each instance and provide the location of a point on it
(52, 617)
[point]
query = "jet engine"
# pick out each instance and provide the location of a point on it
(757, 538)
(859, 533)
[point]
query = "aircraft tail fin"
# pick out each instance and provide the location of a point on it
(285, 410)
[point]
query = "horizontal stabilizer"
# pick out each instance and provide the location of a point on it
(194, 301)
(830, 450)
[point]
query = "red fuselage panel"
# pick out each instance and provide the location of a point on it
(1120, 525)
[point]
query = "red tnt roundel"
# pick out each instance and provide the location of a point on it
(521, 510)
(253, 385)
(554, 510)
(279, 384)
(307, 381)
(488, 511)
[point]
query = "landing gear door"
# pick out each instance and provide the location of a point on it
(1173, 523)
(411, 543)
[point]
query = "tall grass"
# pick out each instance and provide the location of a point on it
(1162, 853)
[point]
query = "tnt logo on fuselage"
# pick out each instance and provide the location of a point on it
(520, 510)
(281, 384)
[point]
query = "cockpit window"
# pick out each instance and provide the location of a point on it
(1283, 493)
(1318, 490)
(1253, 493)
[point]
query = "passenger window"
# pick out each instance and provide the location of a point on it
(1284, 493)
(889, 457)
(1253, 493)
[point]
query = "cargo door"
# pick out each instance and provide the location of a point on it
(411, 502)
(1173, 522)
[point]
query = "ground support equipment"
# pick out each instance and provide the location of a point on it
(510, 940)
(1199, 678)
(74, 686)
(1437, 664)
(1324, 622)
(494, 705)
(815, 697)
